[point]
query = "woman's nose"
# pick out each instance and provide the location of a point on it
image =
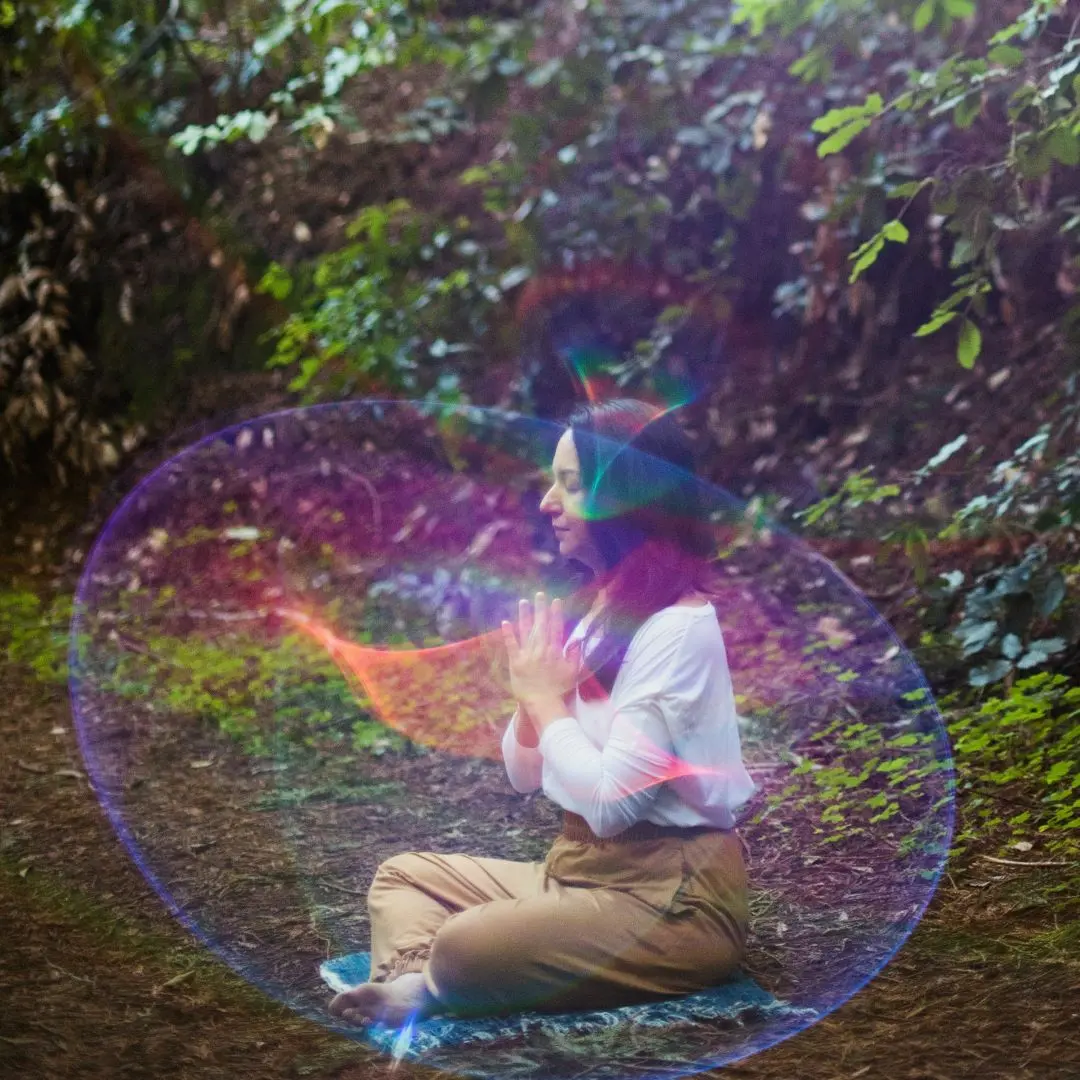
(547, 503)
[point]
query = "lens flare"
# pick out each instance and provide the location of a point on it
(286, 667)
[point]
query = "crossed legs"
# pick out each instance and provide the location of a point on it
(475, 936)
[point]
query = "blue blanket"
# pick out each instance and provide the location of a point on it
(729, 1000)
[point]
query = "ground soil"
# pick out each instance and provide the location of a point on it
(99, 980)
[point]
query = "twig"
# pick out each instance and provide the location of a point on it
(1017, 862)
(376, 505)
(342, 888)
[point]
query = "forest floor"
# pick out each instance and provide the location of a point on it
(98, 980)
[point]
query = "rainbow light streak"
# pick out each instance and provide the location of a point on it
(379, 672)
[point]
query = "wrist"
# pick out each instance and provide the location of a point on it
(544, 709)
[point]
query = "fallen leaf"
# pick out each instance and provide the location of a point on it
(176, 980)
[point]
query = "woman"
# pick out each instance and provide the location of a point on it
(630, 727)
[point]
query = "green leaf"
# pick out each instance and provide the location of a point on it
(866, 256)
(1052, 595)
(908, 189)
(837, 141)
(837, 118)
(969, 344)
(897, 231)
(1008, 33)
(1040, 651)
(1064, 145)
(935, 323)
(967, 109)
(1005, 55)
(991, 673)
(1058, 772)
(923, 14)
(960, 9)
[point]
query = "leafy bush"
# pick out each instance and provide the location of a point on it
(45, 407)
(35, 634)
(385, 311)
(999, 612)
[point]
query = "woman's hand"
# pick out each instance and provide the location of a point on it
(539, 671)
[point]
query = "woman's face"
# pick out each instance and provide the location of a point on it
(565, 502)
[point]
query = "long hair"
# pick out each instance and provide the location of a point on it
(645, 514)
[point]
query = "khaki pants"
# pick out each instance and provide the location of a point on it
(595, 925)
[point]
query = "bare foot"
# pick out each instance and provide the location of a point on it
(390, 1003)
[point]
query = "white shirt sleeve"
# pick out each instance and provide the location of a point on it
(524, 764)
(614, 787)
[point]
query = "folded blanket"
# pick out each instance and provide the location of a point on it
(738, 999)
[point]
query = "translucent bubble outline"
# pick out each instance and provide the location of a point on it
(234, 959)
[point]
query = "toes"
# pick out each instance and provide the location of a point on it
(344, 1006)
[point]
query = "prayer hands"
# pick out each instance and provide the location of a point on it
(538, 668)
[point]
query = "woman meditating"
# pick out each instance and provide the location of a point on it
(630, 727)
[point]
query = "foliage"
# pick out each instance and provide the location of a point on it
(406, 291)
(1036, 482)
(43, 367)
(650, 137)
(1000, 611)
(1015, 86)
(75, 68)
(1020, 749)
(266, 698)
(35, 634)
(1002, 608)
(856, 775)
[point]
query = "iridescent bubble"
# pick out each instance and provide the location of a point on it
(287, 667)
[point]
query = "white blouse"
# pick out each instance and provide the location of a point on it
(663, 747)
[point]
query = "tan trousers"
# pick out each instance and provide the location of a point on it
(595, 925)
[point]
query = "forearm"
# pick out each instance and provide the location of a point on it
(525, 730)
(524, 765)
(610, 787)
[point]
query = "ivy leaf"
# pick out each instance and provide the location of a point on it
(1040, 651)
(866, 256)
(970, 344)
(975, 638)
(908, 189)
(1053, 594)
(992, 673)
(1010, 646)
(967, 109)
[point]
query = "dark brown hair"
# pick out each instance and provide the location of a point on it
(646, 514)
